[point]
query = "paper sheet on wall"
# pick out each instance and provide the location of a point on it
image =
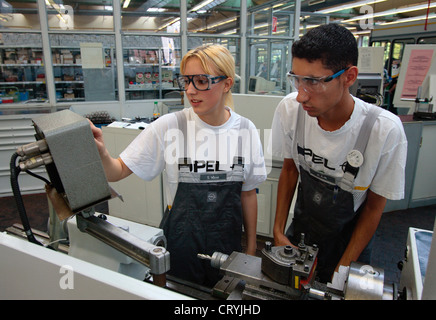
(92, 55)
(417, 69)
(370, 60)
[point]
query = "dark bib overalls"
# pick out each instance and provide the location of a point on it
(324, 210)
(206, 216)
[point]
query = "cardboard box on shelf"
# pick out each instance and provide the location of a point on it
(151, 57)
(139, 77)
(68, 77)
(167, 75)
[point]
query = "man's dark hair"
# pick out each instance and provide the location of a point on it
(332, 43)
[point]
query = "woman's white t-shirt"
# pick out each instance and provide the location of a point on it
(210, 149)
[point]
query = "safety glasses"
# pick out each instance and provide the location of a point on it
(201, 82)
(310, 84)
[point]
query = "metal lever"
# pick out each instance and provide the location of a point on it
(155, 257)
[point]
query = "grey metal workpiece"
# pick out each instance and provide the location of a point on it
(248, 268)
(76, 158)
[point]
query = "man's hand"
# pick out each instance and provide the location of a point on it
(281, 240)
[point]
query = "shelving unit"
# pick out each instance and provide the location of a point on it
(68, 72)
(68, 75)
(148, 74)
(22, 75)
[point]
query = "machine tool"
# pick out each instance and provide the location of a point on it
(367, 87)
(65, 146)
(281, 272)
(423, 107)
(288, 273)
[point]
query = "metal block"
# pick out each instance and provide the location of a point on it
(76, 171)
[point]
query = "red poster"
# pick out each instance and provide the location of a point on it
(274, 24)
(419, 64)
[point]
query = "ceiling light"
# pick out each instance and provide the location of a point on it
(349, 6)
(217, 24)
(126, 4)
(391, 11)
(156, 10)
(417, 18)
(207, 4)
(169, 23)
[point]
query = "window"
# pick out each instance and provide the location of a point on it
(427, 40)
(19, 15)
(80, 15)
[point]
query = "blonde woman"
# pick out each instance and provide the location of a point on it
(213, 162)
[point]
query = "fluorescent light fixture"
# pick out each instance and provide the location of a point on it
(363, 32)
(392, 11)
(207, 4)
(169, 23)
(218, 24)
(126, 4)
(201, 5)
(314, 2)
(349, 6)
(156, 10)
(411, 19)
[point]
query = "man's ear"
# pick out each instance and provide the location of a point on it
(351, 76)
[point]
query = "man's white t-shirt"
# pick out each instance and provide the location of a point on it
(210, 149)
(325, 152)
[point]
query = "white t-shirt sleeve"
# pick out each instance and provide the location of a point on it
(389, 178)
(145, 154)
(256, 173)
(283, 125)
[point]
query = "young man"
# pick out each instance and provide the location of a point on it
(346, 173)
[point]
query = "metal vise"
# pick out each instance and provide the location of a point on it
(281, 272)
(289, 265)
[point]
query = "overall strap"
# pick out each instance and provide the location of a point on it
(351, 170)
(365, 130)
(243, 125)
(183, 139)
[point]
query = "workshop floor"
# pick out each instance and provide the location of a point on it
(389, 245)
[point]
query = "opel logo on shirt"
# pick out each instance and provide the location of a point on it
(212, 196)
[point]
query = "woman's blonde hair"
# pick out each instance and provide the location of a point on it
(215, 60)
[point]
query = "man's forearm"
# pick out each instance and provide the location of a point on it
(365, 228)
(285, 192)
(249, 212)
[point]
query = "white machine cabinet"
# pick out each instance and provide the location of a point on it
(143, 200)
(417, 270)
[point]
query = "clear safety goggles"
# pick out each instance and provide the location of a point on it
(201, 82)
(310, 84)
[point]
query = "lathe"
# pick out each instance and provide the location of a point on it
(115, 258)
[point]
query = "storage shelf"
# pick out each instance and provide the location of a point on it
(21, 82)
(70, 82)
(66, 65)
(16, 65)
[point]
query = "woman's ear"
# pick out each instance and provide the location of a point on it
(228, 84)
